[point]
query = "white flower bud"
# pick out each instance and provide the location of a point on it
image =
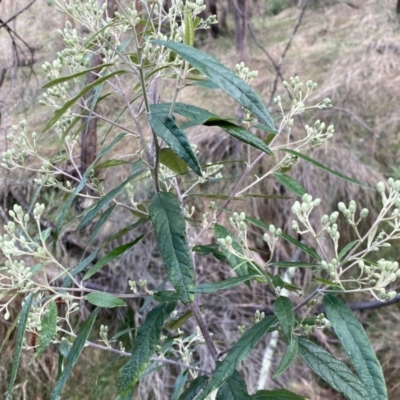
(380, 187)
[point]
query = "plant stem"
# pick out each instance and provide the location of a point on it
(203, 327)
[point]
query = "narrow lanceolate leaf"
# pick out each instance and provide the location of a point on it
(172, 161)
(280, 394)
(186, 110)
(347, 248)
(239, 351)
(23, 319)
(239, 133)
(332, 371)
(166, 128)
(169, 227)
(209, 249)
(145, 345)
(60, 112)
(67, 205)
(289, 183)
(113, 254)
(324, 167)
(194, 388)
(285, 314)
(99, 224)
(357, 345)
(224, 78)
(110, 163)
(105, 300)
(73, 354)
(293, 264)
(188, 36)
(179, 385)
(288, 238)
(233, 389)
(49, 327)
(239, 265)
(288, 357)
(62, 79)
(104, 201)
(226, 284)
(79, 268)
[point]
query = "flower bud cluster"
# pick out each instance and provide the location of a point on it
(302, 210)
(238, 221)
(317, 135)
(244, 73)
(379, 275)
(331, 267)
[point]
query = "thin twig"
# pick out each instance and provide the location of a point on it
(356, 117)
(204, 330)
(285, 50)
(17, 13)
(126, 354)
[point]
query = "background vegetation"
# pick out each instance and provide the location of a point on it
(352, 49)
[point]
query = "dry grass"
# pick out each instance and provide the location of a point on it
(353, 54)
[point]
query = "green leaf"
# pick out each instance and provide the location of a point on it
(357, 345)
(209, 249)
(165, 127)
(48, 328)
(44, 235)
(62, 79)
(166, 296)
(331, 284)
(173, 162)
(289, 183)
(104, 300)
(325, 168)
(169, 227)
(79, 268)
(23, 319)
(99, 224)
(145, 345)
(279, 282)
(60, 112)
(265, 129)
(64, 347)
(74, 353)
(288, 357)
(224, 78)
(179, 385)
(186, 110)
(212, 196)
(61, 215)
(239, 133)
(285, 314)
(110, 163)
(111, 256)
(104, 201)
(280, 394)
(288, 238)
(239, 351)
(346, 248)
(332, 371)
(205, 83)
(233, 389)
(226, 284)
(293, 264)
(125, 230)
(239, 265)
(176, 323)
(194, 388)
(188, 23)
